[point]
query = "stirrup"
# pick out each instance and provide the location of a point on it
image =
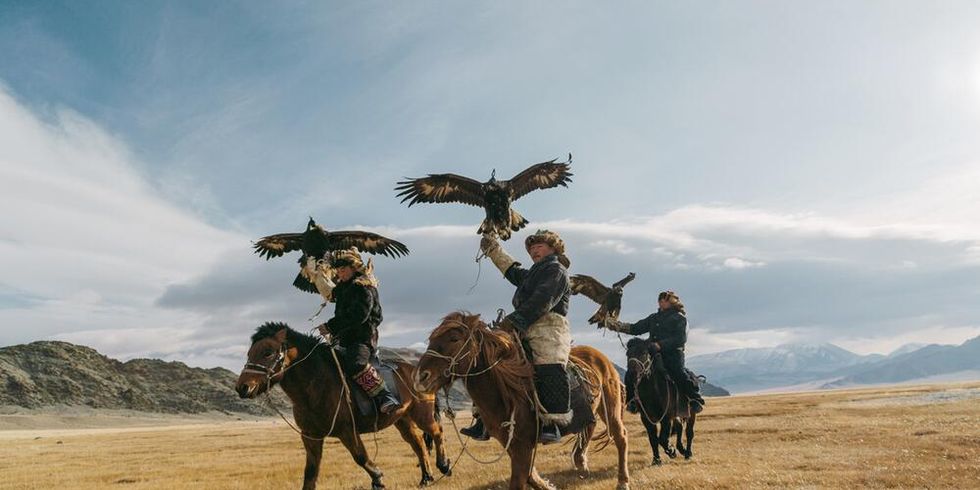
(550, 434)
(389, 404)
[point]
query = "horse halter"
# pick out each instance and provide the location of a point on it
(455, 359)
(276, 368)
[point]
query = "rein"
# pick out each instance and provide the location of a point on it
(270, 373)
(643, 373)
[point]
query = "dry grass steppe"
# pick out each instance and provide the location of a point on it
(891, 437)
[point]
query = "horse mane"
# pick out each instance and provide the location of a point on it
(512, 373)
(304, 342)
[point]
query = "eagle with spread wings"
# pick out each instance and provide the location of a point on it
(609, 298)
(315, 276)
(494, 196)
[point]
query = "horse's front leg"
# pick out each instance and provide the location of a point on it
(355, 445)
(314, 451)
(520, 464)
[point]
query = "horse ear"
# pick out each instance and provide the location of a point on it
(281, 335)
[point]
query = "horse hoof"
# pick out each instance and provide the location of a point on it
(671, 453)
(623, 486)
(426, 480)
(657, 462)
(445, 468)
(688, 455)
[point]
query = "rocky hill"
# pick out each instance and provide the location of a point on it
(44, 374)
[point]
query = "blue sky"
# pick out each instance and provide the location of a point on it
(796, 171)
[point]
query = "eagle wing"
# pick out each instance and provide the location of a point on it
(589, 286)
(624, 281)
(304, 284)
(366, 241)
(441, 188)
(543, 175)
(277, 245)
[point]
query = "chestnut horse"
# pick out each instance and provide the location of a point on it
(658, 397)
(308, 373)
(500, 381)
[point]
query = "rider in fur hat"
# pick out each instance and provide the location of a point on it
(668, 333)
(540, 305)
(354, 326)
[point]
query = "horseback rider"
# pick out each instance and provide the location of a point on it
(540, 305)
(668, 334)
(354, 326)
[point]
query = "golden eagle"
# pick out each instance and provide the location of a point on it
(609, 299)
(315, 242)
(494, 196)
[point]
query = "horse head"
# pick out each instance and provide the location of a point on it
(452, 351)
(268, 359)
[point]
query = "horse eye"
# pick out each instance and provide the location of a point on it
(268, 353)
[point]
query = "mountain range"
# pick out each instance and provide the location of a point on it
(820, 366)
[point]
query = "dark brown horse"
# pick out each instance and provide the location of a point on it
(500, 381)
(308, 373)
(658, 400)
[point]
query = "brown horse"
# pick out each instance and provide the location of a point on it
(307, 371)
(500, 381)
(658, 400)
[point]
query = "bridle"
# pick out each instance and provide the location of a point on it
(455, 359)
(277, 367)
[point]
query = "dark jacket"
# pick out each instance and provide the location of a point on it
(668, 327)
(357, 315)
(541, 289)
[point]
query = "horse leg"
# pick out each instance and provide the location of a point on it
(678, 432)
(413, 437)
(617, 429)
(580, 454)
(690, 436)
(355, 446)
(314, 451)
(652, 436)
(433, 433)
(539, 483)
(520, 463)
(665, 428)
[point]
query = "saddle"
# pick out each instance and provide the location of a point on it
(580, 400)
(365, 404)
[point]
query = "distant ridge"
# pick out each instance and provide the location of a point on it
(816, 366)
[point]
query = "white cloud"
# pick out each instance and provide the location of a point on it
(87, 236)
(740, 263)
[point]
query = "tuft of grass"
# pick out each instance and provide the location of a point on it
(878, 437)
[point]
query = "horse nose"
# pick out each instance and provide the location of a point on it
(242, 390)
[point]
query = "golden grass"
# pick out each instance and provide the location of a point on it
(872, 438)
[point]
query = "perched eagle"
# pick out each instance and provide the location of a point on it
(609, 299)
(315, 275)
(494, 196)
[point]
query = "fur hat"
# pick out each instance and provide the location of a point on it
(342, 258)
(672, 298)
(364, 273)
(551, 239)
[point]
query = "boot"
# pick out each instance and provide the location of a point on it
(551, 384)
(369, 379)
(631, 405)
(477, 431)
(386, 402)
(694, 393)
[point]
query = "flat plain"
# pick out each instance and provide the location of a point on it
(888, 437)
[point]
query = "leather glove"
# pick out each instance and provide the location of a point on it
(488, 243)
(654, 347)
(508, 325)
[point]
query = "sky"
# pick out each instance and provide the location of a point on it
(795, 171)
